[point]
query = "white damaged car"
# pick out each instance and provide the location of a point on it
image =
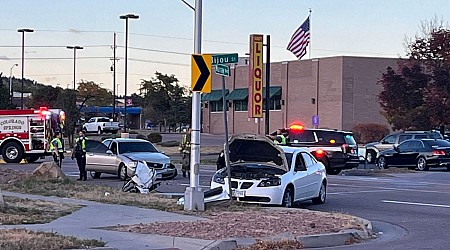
(262, 172)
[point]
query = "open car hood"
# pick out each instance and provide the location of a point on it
(256, 148)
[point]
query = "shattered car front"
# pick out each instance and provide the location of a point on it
(258, 171)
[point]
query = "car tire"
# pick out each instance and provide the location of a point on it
(12, 152)
(122, 174)
(381, 163)
(421, 164)
(174, 175)
(371, 155)
(95, 175)
(288, 198)
(322, 195)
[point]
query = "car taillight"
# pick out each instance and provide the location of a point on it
(438, 152)
(319, 152)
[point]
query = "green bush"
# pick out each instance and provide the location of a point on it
(154, 137)
(141, 136)
(369, 132)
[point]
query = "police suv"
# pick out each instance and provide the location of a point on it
(337, 150)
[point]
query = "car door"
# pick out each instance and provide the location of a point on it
(97, 158)
(299, 175)
(406, 154)
(388, 142)
(89, 124)
(312, 180)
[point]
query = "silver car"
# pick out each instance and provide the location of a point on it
(119, 157)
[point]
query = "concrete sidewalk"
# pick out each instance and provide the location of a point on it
(84, 223)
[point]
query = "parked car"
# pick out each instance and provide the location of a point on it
(417, 154)
(262, 172)
(388, 142)
(101, 125)
(120, 156)
(336, 149)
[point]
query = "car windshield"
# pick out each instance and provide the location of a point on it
(129, 147)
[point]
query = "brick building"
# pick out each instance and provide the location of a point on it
(342, 90)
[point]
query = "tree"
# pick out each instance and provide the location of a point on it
(417, 94)
(164, 100)
(4, 96)
(94, 94)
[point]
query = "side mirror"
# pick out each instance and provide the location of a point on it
(109, 152)
(396, 148)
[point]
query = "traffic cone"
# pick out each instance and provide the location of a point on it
(23, 161)
(2, 161)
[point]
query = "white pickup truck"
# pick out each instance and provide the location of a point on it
(101, 125)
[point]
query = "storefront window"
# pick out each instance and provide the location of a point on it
(241, 105)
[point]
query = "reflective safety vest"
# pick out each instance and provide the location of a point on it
(185, 144)
(58, 142)
(283, 139)
(83, 143)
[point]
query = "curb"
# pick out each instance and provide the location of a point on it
(310, 241)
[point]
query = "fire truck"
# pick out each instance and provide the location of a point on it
(26, 133)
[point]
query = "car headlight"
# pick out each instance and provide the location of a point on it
(270, 182)
(132, 164)
(218, 178)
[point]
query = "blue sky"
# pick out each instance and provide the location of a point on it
(339, 27)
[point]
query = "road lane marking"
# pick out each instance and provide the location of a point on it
(357, 192)
(387, 188)
(388, 180)
(415, 203)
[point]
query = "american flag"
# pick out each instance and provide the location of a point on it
(300, 40)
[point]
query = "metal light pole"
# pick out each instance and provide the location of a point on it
(74, 62)
(23, 31)
(194, 197)
(11, 93)
(126, 17)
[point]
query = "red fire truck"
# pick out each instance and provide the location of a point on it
(26, 134)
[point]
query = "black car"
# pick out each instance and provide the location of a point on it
(336, 149)
(417, 154)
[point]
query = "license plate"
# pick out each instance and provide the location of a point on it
(237, 193)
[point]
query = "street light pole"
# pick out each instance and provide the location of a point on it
(74, 62)
(23, 31)
(126, 17)
(11, 93)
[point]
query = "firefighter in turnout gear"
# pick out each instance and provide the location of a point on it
(56, 147)
(185, 151)
(79, 153)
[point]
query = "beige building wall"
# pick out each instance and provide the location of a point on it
(345, 89)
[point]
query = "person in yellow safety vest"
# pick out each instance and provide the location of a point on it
(185, 151)
(79, 152)
(279, 137)
(56, 147)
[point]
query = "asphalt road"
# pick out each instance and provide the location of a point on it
(409, 210)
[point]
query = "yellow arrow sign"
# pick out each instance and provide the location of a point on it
(201, 73)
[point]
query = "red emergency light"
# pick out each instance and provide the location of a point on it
(297, 127)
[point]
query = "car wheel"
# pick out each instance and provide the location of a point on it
(381, 163)
(95, 175)
(122, 172)
(288, 198)
(12, 152)
(422, 164)
(371, 156)
(174, 175)
(322, 195)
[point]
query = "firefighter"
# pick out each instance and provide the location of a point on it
(185, 151)
(56, 147)
(79, 153)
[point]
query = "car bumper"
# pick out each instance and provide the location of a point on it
(254, 194)
(160, 173)
(344, 163)
(438, 161)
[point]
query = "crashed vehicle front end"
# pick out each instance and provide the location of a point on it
(259, 171)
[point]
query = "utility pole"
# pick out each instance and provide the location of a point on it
(267, 121)
(194, 197)
(113, 69)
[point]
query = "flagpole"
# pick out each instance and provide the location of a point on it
(310, 32)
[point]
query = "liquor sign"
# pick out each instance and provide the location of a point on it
(255, 87)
